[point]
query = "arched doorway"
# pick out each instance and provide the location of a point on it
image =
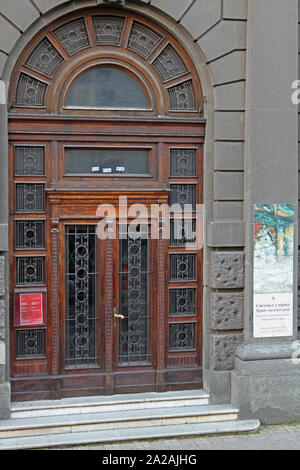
(106, 107)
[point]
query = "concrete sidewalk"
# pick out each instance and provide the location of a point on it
(277, 437)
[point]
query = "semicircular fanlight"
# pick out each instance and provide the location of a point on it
(107, 87)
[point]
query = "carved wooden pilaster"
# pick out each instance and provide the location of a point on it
(161, 333)
(109, 327)
(55, 294)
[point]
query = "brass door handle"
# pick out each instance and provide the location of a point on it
(117, 315)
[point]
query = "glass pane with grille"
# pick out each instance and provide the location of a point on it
(182, 337)
(30, 234)
(182, 267)
(135, 328)
(30, 270)
(182, 302)
(184, 195)
(29, 161)
(169, 64)
(143, 40)
(73, 35)
(30, 92)
(45, 58)
(182, 97)
(183, 232)
(29, 197)
(30, 344)
(108, 29)
(80, 296)
(183, 162)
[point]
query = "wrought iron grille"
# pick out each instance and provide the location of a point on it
(135, 329)
(30, 198)
(182, 232)
(30, 92)
(80, 296)
(182, 302)
(182, 267)
(184, 195)
(182, 337)
(143, 40)
(30, 270)
(45, 58)
(29, 161)
(108, 29)
(182, 97)
(30, 343)
(30, 234)
(169, 64)
(183, 162)
(73, 35)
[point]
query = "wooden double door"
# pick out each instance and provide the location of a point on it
(110, 297)
(108, 293)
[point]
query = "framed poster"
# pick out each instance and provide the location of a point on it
(273, 270)
(30, 308)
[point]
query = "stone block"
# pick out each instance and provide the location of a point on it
(230, 126)
(227, 310)
(3, 58)
(229, 186)
(229, 156)
(20, 12)
(225, 234)
(222, 352)
(227, 269)
(2, 353)
(224, 37)
(229, 68)
(235, 9)
(8, 35)
(5, 400)
(3, 237)
(46, 5)
(201, 17)
(2, 275)
(227, 210)
(175, 8)
(2, 320)
(230, 97)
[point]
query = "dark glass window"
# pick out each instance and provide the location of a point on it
(107, 87)
(106, 161)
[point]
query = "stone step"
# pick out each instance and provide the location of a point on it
(108, 403)
(128, 434)
(17, 427)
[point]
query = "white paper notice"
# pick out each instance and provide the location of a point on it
(107, 170)
(95, 168)
(273, 315)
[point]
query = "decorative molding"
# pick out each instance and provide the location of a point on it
(111, 2)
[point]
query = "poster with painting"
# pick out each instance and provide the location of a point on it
(273, 270)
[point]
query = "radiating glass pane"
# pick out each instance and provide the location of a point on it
(106, 161)
(107, 87)
(134, 335)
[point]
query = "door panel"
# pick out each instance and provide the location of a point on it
(82, 290)
(134, 305)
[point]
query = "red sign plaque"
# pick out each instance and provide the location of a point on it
(30, 308)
